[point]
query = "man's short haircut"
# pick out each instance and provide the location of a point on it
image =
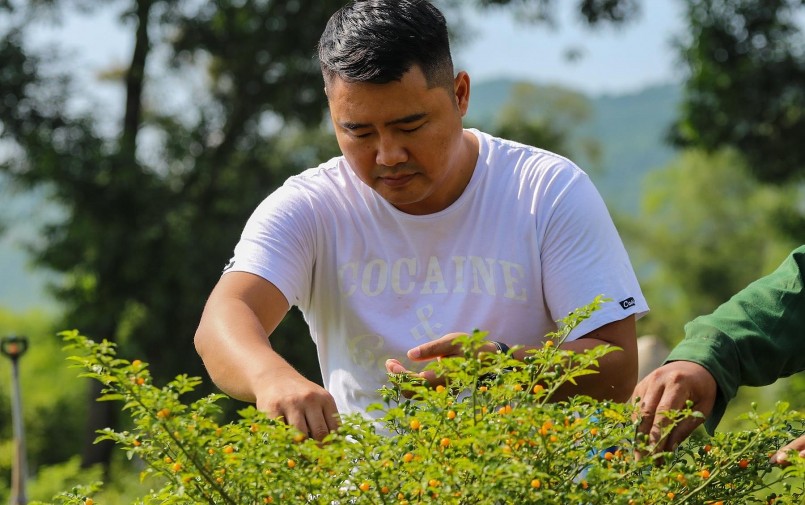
(377, 41)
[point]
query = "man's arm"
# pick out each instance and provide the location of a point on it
(670, 387)
(617, 372)
(233, 341)
(753, 339)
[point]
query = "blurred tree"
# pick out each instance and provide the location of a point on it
(593, 12)
(746, 88)
(706, 229)
(152, 211)
(744, 103)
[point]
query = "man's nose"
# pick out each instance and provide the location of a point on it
(390, 152)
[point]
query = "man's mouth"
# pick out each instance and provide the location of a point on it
(397, 180)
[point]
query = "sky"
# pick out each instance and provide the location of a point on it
(612, 60)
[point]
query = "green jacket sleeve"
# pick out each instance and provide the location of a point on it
(754, 338)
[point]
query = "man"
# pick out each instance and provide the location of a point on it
(752, 339)
(422, 230)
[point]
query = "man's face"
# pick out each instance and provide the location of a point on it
(405, 140)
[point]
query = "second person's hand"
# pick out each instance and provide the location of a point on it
(670, 387)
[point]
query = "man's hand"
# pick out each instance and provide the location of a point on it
(797, 445)
(442, 347)
(301, 403)
(669, 388)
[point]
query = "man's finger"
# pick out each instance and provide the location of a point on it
(298, 421)
(317, 426)
(648, 411)
(331, 416)
(395, 367)
(657, 437)
(431, 378)
(682, 431)
(440, 347)
(653, 422)
(781, 456)
(430, 350)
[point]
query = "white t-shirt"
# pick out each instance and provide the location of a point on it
(528, 241)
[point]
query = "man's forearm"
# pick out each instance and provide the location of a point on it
(615, 377)
(616, 374)
(236, 351)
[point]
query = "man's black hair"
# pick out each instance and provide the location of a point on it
(377, 41)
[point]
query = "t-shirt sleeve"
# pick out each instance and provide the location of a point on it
(754, 338)
(278, 243)
(583, 257)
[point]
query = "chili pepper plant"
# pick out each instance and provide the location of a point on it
(490, 435)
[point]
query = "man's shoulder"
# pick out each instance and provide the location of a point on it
(330, 181)
(333, 175)
(511, 162)
(501, 149)
(333, 168)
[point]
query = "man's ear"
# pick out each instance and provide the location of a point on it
(461, 90)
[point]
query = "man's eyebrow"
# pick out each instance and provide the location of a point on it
(349, 125)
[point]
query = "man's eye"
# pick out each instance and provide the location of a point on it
(411, 130)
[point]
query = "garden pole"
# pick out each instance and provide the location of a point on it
(14, 347)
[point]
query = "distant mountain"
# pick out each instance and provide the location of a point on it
(630, 129)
